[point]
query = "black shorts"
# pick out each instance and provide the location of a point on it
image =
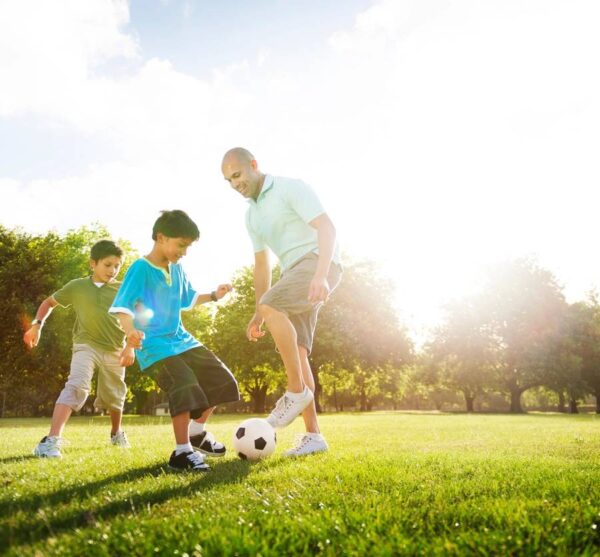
(194, 381)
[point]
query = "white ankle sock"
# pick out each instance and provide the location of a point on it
(184, 448)
(196, 428)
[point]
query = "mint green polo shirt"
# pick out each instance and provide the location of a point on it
(93, 324)
(279, 219)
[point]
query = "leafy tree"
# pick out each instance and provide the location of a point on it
(521, 309)
(359, 331)
(463, 354)
(256, 365)
(32, 268)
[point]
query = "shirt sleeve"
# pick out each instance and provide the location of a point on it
(258, 242)
(131, 292)
(304, 200)
(64, 296)
(188, 294)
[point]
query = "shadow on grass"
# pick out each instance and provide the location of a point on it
(41, 526)
(17, 458)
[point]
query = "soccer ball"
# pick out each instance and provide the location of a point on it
(254, 439)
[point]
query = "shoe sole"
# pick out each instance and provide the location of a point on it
(207, 469)
(206, 453)
(306, 454)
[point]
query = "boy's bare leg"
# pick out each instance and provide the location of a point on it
(310, 413)
(285, 338)
(205, 415)
(115, 421)
(181, 424)
(60, 416)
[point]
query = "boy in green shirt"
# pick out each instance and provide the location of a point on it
(97, 343)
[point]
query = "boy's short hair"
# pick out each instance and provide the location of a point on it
(175, 224)
(105, 248)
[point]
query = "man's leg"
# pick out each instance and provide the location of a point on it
(285, 338)
(181, 424)
(310, 413)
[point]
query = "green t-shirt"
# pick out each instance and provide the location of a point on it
(93, 324)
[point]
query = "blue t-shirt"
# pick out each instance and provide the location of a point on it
(155, 299)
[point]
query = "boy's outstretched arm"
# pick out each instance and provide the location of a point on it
(134, 338)
(32, 335)
(221, 291)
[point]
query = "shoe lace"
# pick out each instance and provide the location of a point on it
(195, 458)
(282, 406)
(300, 440)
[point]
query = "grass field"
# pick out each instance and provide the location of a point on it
(393, 484)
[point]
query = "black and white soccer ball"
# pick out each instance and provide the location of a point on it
(254, 439)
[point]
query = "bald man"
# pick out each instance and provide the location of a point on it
(285, 216)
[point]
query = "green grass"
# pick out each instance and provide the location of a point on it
(393, 484)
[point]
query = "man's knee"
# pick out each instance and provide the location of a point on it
(267, 311)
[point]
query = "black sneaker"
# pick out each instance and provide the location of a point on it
(188, 461)
(206, 444)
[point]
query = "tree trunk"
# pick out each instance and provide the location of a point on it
(335, 398)
(598, 401)
(561, 402)
(259, 397)
(469, 402)
(318, 390)
(363, 401)
(573, 406)
(515, 401)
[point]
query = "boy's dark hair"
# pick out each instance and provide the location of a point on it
(105, 248)
(175, 224)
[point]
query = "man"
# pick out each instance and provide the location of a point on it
(286, 216)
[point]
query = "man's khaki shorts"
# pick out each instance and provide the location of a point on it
(111, 388)
(290, 296)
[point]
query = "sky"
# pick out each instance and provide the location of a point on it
(442, 136)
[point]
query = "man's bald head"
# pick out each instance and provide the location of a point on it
(239, 154)
(240, 169)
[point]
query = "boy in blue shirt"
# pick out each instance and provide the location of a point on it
(154, 292)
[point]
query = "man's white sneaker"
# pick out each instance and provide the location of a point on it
(49, 447)
(289, 406)
(308, 443)
(119, 439)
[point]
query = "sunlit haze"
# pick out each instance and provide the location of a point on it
(442, 136)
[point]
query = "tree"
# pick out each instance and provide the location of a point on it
(463, 354)
(32, 268)
(256, 366)
(521, 309)
(585, 336)
(359, 331)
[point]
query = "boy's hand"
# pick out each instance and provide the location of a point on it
(127, 356)
(222, 290)
(135, 338)
(32, 336)
(253, 332)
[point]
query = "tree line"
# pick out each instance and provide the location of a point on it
(518, 333)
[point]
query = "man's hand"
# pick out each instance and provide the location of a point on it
(135, 338)
(222, 290)
(127, 356)
(318, 290)
(32, 336)
(253, 332)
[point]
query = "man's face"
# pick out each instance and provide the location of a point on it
(173, 248)
(106, 269)
(243, 175)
